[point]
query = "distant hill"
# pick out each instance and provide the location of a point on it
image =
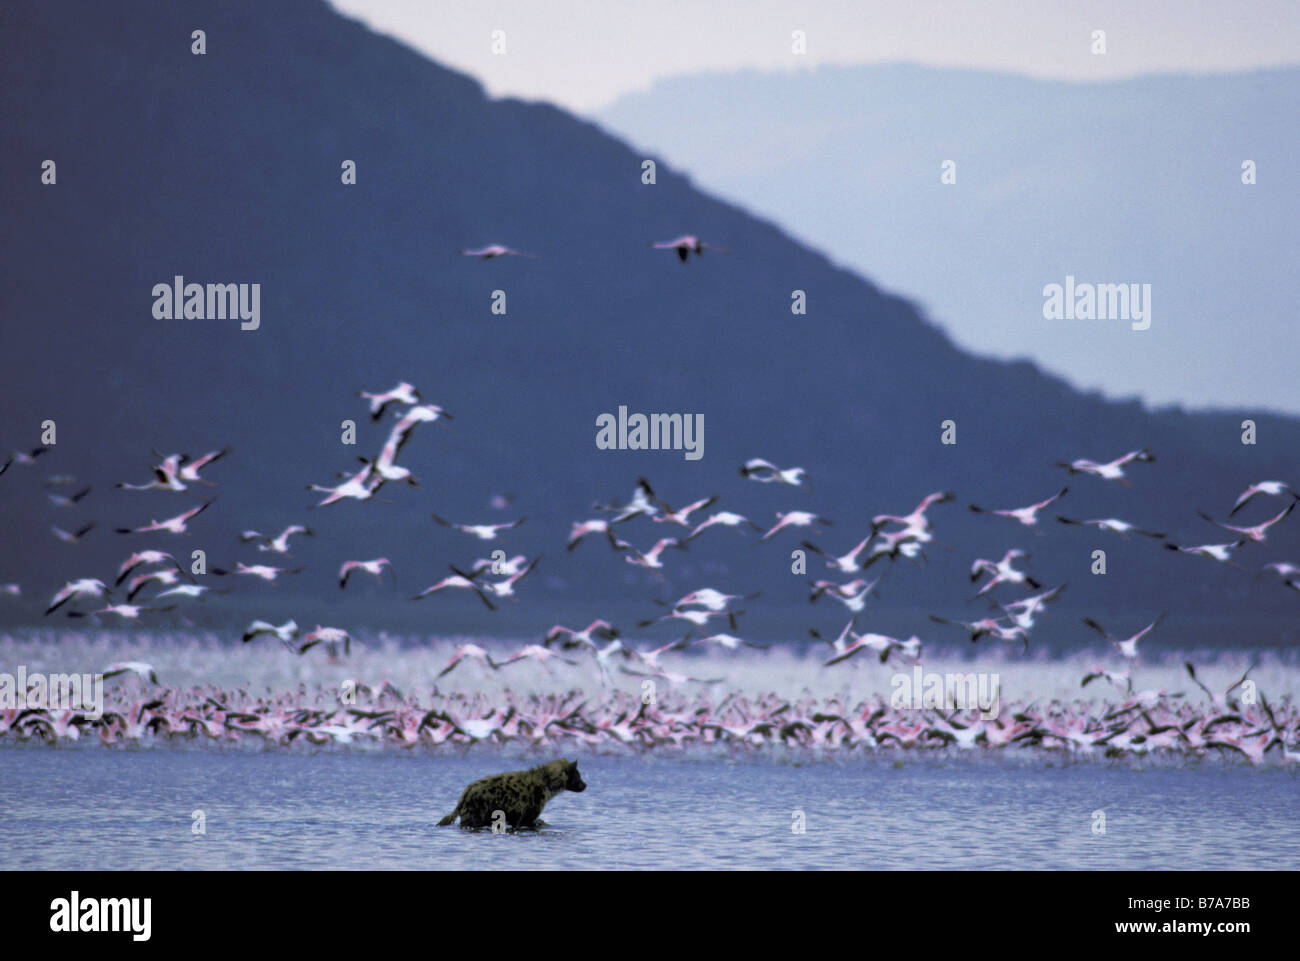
(226, 168)
(1118, 182)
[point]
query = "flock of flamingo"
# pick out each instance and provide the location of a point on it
(1138, 722)
(1142, 724)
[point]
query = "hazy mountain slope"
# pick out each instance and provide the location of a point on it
(1136, 181)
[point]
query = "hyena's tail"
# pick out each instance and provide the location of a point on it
(455, 813)
(460, 805)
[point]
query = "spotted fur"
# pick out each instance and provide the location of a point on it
(520, 794)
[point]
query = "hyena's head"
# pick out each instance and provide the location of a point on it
(563, 776)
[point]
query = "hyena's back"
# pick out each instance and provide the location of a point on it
(519, 795)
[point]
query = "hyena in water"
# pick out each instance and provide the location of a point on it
(520, 795)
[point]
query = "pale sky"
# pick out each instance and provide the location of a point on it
(583, 54)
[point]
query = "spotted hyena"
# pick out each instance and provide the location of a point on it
(521, 795)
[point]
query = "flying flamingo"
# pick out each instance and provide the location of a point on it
(584, 638)
(188, 590)
(507, 568)
(694, 617)
(1271, 488)
(403, 393)
(386, 466)
(189, 471)
(1026, 515)
(849, 644)
(264, 571)
(542, 655)
(583, 529)
(847, 564)
(902, 543)
(852, 595)
(166, 477)
(505, 588)
(167, 577)
(793, 519)
(331, 637)
(280, 543)
(86, 587)
(650, 658)
(61, 500)
(1022, 612)
(129, 612)
(917, 519)
(1113, 470)
(1122, 528)
(674, 677)
(725, 518)
(766, 472)
(420, 414)
(1002, 571)
(643, 501)
(360, 486)
(1258, 533)
(682, 517)
(141, 670)
(1127, 647)
(375, 567)
(989, 626)
(651, 560)
(142, 557)
(484, 532)
(173, 525)
(495, 250)
(456, 581)
(686, 245)
(1221, 701)
(74, 536)
(286, 632)
(728, 642)
(713, 600)
(603, 656)
(883, 644)
(25, 458)
(1214, 552)
(471, 651)
(1120, 679)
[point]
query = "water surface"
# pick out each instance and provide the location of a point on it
(101, 809)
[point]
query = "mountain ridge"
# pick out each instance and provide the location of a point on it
(1135, 179)
(225, 168)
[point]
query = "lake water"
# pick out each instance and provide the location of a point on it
(98, 809)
